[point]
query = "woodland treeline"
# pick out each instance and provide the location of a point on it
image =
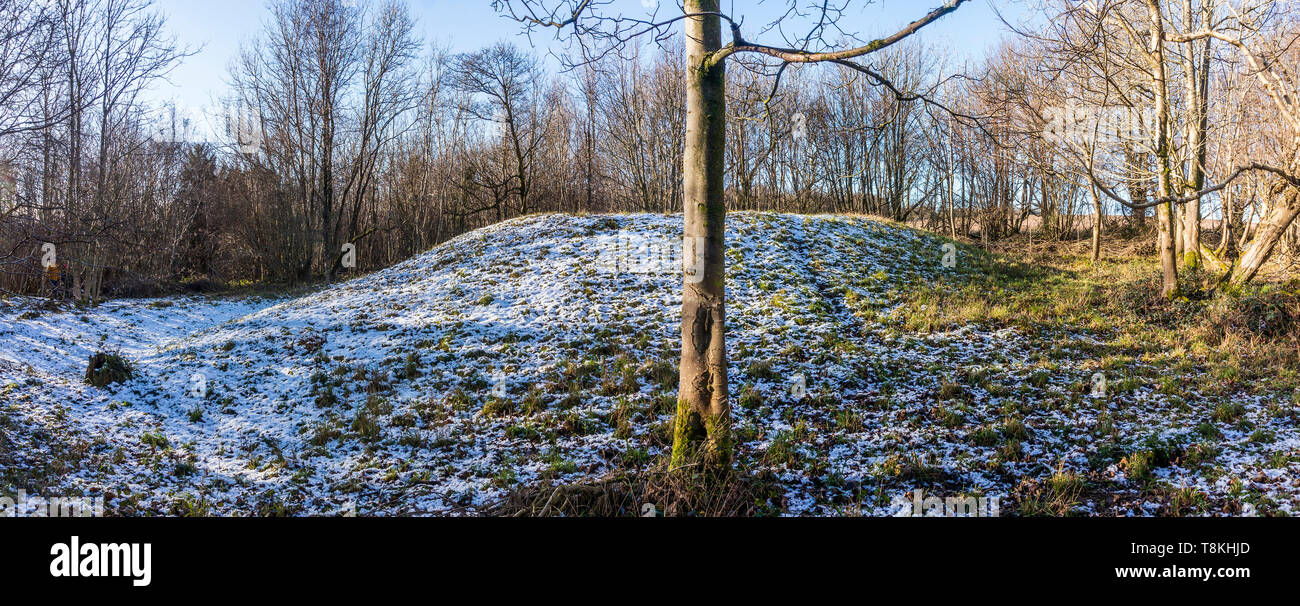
(345, 126)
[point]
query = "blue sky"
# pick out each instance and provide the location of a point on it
(220, 27)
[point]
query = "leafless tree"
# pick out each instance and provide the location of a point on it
(703, 425)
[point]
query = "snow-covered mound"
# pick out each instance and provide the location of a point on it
(543, 350)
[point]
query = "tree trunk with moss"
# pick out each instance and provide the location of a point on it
(702, 431)
(1096, 225)
(1196, 83)
(1166, 244)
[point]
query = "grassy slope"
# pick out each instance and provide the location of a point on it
(508, 359)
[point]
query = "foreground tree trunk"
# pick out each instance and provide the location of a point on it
(1196, 83)
(1096, 225)
(1166, 244)
(703, 425)
(1180, 222)
(1227, 249)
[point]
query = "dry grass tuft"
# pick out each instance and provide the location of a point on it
(652, 491)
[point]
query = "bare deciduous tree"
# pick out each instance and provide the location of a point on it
(703, 423)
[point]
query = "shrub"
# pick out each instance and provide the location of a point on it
(1138, 466)
(105, 369)
(1266, 312)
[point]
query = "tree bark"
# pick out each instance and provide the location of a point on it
(1226, 241)
(702, 430)
(1267, 236)
(1164, 212)
(1196, 82)
(1096, 225)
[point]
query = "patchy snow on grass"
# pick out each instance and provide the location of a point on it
(518, 355)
